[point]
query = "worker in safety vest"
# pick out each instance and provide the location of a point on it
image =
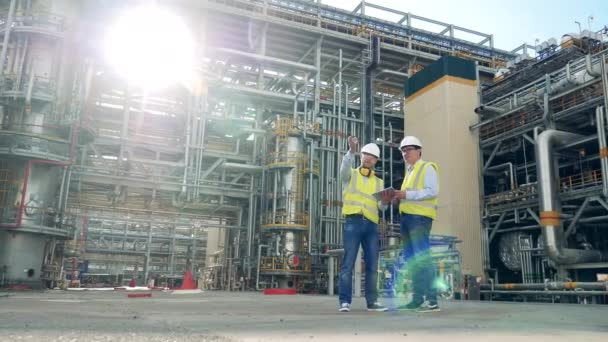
(418, 208)
(360, 209)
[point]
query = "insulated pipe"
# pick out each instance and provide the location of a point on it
(7, 33)
(250, 34)
(601, 137)
(338, 184)
(548, 293)
(304, 128)
(589, 67)
(553, 285)
(30, 89)
(549, 202)
(392, 72)
(604, 86)
(62, 187)
(201, 138)
(506, 113)
(258, 57)
(187, 148)
(489, 110)
(390, 134)
(250, 226)
(310, 194)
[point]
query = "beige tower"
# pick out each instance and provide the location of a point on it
(439, 110)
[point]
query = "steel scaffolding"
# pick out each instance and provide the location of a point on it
(139, 181)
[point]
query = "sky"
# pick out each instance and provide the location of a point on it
(512, 22)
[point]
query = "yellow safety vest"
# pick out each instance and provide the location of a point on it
(357, 197)
(415, 181)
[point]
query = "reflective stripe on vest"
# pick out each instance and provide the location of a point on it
(415, 181)
(357, 197)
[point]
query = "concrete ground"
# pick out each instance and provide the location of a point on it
(223, 317)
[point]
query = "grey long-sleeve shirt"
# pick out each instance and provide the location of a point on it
(348, 162)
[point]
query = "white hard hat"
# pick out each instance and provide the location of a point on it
(372, 149)
(410, 140)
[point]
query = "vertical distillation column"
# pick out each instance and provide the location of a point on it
(39, 125)
(285, 222)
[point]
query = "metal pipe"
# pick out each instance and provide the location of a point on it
(62, 188)
(7, 32)
(481, 123)
(549, 285)
(304, 128)
(549, 201)
(392, 72)
(269, 59)
(338, 183)
(196, 135)
(243, 89)
(605, 91)
(295, 102)
(489, 110)
(187, 150)
(22, 46)
(250, 34)
(317, 91)
(604, 151)
(310, 194)
(601, 137)
(67, 188)
(30, 89)
(250, 227)
(548, 293)
(390, 134)
(589, 67)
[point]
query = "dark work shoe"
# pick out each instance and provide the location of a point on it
(428, 306)
(413, 305)
(376, 307)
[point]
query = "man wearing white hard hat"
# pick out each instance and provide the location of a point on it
(418, 208)
(360, 209)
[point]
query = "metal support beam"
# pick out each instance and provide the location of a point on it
(237, 178)
(602, 203)
(484, 41)
(496, 226)
(579, 212)
(212, 168)
(447, 29)
(492, 155)
(530, 140)
(533, 214)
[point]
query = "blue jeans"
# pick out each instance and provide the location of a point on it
(359, 231)
(416, 249)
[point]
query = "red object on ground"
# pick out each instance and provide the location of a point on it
(188, 282)
(18, 287)
(132, 283)
(139, 295)
(289, 291)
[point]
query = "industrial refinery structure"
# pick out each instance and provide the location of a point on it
(231, 171)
